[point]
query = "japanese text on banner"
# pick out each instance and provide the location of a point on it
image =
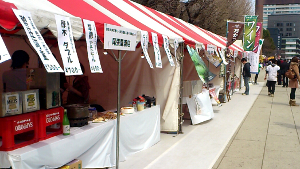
(158, 62)
(67, 46)
(37, 41)
(167, 50)
(4, 55)
(257, 36)
(91, 44)
(250, 32)
(144, 44)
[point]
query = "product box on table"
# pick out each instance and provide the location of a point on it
(75, 164)
(18, 131)
(50, 122)
(11, 104)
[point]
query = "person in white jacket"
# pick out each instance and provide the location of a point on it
(271, 72)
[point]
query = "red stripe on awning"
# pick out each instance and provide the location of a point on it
(8, 20)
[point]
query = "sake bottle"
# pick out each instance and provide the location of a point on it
(66, 124)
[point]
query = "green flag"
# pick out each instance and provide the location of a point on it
(250, 32)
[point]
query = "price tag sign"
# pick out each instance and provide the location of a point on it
(12, 103)
(4, 55)
(30, 101)
(119, 38)
(167, 50)
(67, 46)
(144, 44)
(158, 62)
(37, 41)
(91, 44)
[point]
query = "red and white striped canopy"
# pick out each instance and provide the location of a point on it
(116, 12)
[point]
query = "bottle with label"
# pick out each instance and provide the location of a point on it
(66, 124)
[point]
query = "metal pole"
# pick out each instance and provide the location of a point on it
(225, 81)
(118, 111)
(180, 120)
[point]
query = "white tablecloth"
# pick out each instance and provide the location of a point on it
(94, 144)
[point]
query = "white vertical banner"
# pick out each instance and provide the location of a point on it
(167, 50)
(158, 62)
(37, 41)
(91, 44)
(235, 54)
(175, 50)
(253, 59)
(67, 46)
(144, 44)
(4, 55)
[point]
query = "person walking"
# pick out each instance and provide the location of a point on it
(278, 62)
(271, 72)
(284, 67)
(246, 75)
(293, 83)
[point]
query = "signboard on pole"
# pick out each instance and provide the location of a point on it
(67, 46)
(158, 62)
(4, 55)
(119, 38)
(235, 29)
(37, 41)
(91, 44)
(257, 36)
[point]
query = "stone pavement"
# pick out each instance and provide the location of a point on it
(268, 137)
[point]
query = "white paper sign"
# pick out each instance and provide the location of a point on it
(144, 44)
(235, 54)
(175, 49)
(67, 46)
(91, 44)
(167, 50)
(37, 41)
(30, 101)
(4, 55)
(158, 62)
(119, 38)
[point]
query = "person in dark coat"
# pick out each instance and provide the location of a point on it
(283, 68)
(279, 61)
(246, 75)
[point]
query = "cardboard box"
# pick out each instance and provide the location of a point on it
(75, 164)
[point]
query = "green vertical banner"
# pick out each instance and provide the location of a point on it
(250, 32)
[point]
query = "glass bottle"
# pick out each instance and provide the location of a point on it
(66, 124)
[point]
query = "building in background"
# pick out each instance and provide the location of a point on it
(280, 18)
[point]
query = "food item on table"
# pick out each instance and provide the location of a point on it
(99, 119)
(109, 115)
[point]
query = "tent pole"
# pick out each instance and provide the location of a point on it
(225, 81)
(180, 115)
(118, 111)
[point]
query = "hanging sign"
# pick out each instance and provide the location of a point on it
(167, 50)
(144, 44)
(91, 44)
(119, 38)
(158, 62)
(37, 41)
(250, 32)
(175, 49)
(67, 46)
(4, 55)
(235, 29)
(253, 59)
(221, 54)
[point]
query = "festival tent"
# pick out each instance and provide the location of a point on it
(117, 12)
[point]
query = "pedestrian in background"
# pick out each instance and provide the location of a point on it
(271, 72)
(278, 62)
(256, 75)
(293, 84)
(284, 67)
(246, 75)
